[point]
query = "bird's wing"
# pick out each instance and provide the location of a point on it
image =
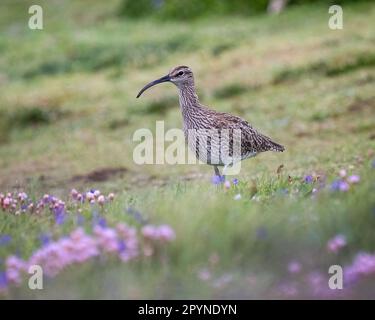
(251, 139)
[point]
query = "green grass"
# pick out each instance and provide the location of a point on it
(68, 112)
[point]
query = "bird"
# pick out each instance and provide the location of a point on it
(216, 138)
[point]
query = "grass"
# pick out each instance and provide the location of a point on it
(68, 113)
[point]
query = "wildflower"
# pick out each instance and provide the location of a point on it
(235, 181)
(45, 239)
(14, 268)
(344, 186)
(373, 164)
(111, 196)
(204, 274)
(339, 185)
(5, 239)
(227, 184)
(7, 202)
(22, 196)
(288, 289)
(294, 267)
(342, 173)
(102, 222)
(101, 200)
(166, 233)
(60, 218)
(337, 243)
(237, 197)
(217, 179)
(74, 193)
(308, 179)
(3, 282)
(46, 198)
(96, 193)
(354, 179)
(90, 196)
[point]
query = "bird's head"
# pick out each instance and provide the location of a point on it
(180, 76)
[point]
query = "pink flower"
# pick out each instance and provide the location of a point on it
(90, 196)
(335, 244)
(342, 173)
(354, 179)
(74, 193)
(294, 267)
(227, 184)
(166, 233)
(101, 200)
(111, 196)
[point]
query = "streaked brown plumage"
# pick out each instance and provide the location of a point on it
(216, 129)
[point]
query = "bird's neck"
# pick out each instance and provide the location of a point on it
(188, 97)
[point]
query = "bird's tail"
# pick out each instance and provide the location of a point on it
(273, 146)
(276, 147)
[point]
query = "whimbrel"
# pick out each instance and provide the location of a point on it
(201, 124)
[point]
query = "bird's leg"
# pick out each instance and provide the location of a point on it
(217, 172)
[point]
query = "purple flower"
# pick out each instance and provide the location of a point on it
(339, 185)
(80, 219)
(5, 239)
(354, 179)
(3, 281)
(336, 243)
(121, 246)
(59, 218)
(294, 267)
(235, 181)
(102, 222)
(308, 179)
(217, 179)
(44, 239)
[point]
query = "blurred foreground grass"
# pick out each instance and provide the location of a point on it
(68, 112)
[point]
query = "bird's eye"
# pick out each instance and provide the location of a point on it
(180, 73)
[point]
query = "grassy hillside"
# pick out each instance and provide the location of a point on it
(68, 113)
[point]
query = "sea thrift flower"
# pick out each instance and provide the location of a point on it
(204, 275)
(14, 269)
(337, 243)
(354, 179)
(166, 233)
(96, 193)
(342, 173)
(227, 184)
(74, 194)
(22, 196)
(294, 267)
(107, 238)
(101, 200)
(111, 196)
(90, 196)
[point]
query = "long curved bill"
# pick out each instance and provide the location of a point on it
(152, 83)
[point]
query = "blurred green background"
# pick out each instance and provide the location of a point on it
(68, 112)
